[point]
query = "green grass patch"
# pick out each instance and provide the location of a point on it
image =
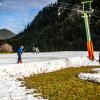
(64, 85)
(7, 52)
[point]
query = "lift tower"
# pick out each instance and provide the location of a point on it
(86, 12)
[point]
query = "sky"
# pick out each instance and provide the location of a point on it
(16, 14)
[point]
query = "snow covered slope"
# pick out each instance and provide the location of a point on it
(10, 88)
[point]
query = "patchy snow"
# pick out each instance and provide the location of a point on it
(10, 87)
(91, 76)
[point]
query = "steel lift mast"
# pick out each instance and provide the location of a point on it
(86, 14)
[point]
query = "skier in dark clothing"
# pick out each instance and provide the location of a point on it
(19, 52)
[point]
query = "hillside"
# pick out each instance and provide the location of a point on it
(51, 32)
(6, 34)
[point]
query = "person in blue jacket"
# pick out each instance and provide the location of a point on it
(19, 52)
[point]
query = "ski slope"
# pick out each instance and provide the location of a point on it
(10, 87)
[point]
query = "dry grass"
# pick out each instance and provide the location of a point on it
(64, 85)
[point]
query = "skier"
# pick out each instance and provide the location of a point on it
(34, 49)
(37, 50)
(19, 52)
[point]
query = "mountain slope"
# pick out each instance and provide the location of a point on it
(6, 34)
(51, 32)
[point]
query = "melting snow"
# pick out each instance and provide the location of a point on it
(10, 88)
